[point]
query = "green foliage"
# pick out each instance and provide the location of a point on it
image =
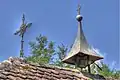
(41, 50)
(90, 79)
(107, 72)
(61, 53)
(104, 70)
(116, 74)
(21, 53)
(62, 50)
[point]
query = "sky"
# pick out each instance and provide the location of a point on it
(56, 20)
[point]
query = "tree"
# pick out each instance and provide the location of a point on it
(117, 74)
(61, 53)
(107, 72)
(41, 50)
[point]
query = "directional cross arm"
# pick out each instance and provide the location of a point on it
(17, 32)
(28, 25)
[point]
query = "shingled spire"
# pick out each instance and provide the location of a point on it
(81, 54)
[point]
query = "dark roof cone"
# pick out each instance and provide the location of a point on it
(81, 53)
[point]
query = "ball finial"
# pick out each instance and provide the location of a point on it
(79, 17)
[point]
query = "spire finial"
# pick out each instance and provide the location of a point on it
(79, 17)
(23, 18)
(78, 9)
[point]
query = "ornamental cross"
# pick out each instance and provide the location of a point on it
(79, 7)
(21, 33)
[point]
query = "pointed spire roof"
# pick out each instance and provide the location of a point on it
(81, 52)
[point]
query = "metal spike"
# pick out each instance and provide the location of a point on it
(78, 10)
(23, 18)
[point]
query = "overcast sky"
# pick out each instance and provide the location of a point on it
(56, 20)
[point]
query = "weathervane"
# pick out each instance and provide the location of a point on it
(21, 33)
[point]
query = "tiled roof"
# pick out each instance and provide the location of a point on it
(19, 69)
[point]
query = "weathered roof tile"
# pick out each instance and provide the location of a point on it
(19, 69)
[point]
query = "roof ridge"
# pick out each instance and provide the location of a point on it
(22, 61)
(53, 67)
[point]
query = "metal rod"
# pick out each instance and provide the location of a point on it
(89, 70)
(21, 51)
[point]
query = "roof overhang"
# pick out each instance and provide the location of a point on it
(82, 57)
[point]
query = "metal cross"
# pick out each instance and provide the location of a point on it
(79, 7)
(21, 33)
